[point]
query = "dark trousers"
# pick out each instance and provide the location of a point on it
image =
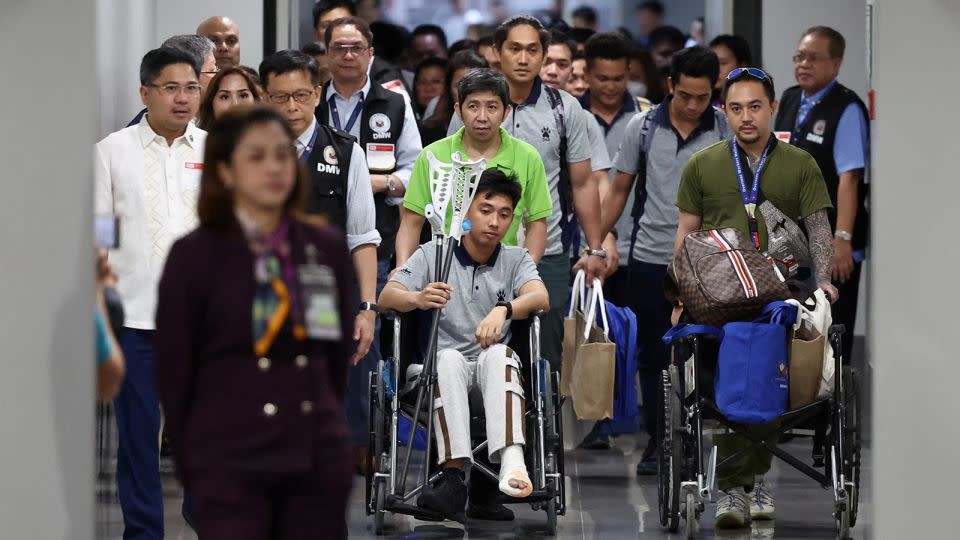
(616, 288)
(647, 300)
(845, 310)
(357, 384)
(233, 505)
(138, 432)
(555, 273)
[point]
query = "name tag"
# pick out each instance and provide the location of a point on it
(783, 136)
(318, 289)
(381, 157)
(194, 166)
(814, 138)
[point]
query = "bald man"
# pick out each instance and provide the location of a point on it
(225, 35)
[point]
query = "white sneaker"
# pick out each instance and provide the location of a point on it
(733, 509)
(761, 502)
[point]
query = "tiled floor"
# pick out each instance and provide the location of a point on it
(606, 500)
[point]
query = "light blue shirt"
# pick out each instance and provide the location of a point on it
(852, 145)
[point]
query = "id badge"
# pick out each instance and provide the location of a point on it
(318, 289)
(381, 157)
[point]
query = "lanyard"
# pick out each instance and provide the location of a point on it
(750, 197)
(335, 115)
(305, 156)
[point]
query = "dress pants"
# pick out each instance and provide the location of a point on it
(138, 432)
(845, 310)
(555, 273)
(647, 300)
(235, 505)
(357, 398)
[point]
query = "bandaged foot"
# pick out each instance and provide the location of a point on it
(514, 480)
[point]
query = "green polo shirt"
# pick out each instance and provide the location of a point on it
(514, 156)
(790, 179)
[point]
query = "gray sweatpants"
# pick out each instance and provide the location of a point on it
(497, 374)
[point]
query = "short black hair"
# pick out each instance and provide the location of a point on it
(495, 181)
(667, 34)
(837, 46)
(389, 40)
(559, 38)
(154, 62)
(286, 61)
(608, 46)
(314, 48)
(653, 7)
(430, 30)
(322, 7)
(695, 62)
(486, 41)
(580, 35)
(737, 45)
(587, 13)
(745, 76)
(461, 45)
(483, 80)
(500, 36)
(362, 26)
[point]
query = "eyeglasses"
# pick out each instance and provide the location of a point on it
(171, 90)
(752, 71)
(300, 97)
(214, 72)
(343, 50)
(800, 58)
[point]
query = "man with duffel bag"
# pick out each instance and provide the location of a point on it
(721, 188)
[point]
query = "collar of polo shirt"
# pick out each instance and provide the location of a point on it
(534, 93)
(627, 105)
(464, 258)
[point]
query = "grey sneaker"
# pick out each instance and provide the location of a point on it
(761, 502)
(733, 509)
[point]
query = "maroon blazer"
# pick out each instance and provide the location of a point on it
(224, 407)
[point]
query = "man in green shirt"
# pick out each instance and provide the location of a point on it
(483, 104)
(720, 187)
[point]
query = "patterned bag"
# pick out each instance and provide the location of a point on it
(723, 278)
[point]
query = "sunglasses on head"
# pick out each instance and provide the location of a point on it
(752, 71)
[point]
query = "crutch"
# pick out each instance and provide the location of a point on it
(449, 182)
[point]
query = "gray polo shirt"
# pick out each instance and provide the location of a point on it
(657, 227)
(612, 135)
(533, 122)
(476, 290)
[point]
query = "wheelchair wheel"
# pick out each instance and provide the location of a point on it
(372, 406)
(550, 449)
(558, 446)
(691, 515)
(669, 452)
(852, 440)
(380, 498)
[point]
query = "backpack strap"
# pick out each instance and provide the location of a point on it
(569, 225)
(640, 185)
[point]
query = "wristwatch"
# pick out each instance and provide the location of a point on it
(509, 307)
(390, 184)
(602, 253)
(369, 306)
(843, 235)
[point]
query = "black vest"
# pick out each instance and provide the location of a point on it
(380, 123)
(817, 136)
(328, 167)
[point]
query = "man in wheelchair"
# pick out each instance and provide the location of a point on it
(489, 284)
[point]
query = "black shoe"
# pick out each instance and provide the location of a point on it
(598, 443)
(481, 503)
(648, 461)
(448, 495)
(489, 512)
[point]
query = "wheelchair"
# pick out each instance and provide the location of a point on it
(393, 407)
(686, 478)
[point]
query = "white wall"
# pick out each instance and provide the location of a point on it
(182, 17)
(783, 22)
(914, 315)
(49, 114)
(125, 32)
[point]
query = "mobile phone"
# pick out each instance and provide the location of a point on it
(106, 230)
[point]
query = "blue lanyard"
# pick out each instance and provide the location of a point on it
(750, 197)
(305, 156)
(335, 115)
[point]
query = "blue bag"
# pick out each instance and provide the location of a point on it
(751, 384)
(752, 379)
(623, 332)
